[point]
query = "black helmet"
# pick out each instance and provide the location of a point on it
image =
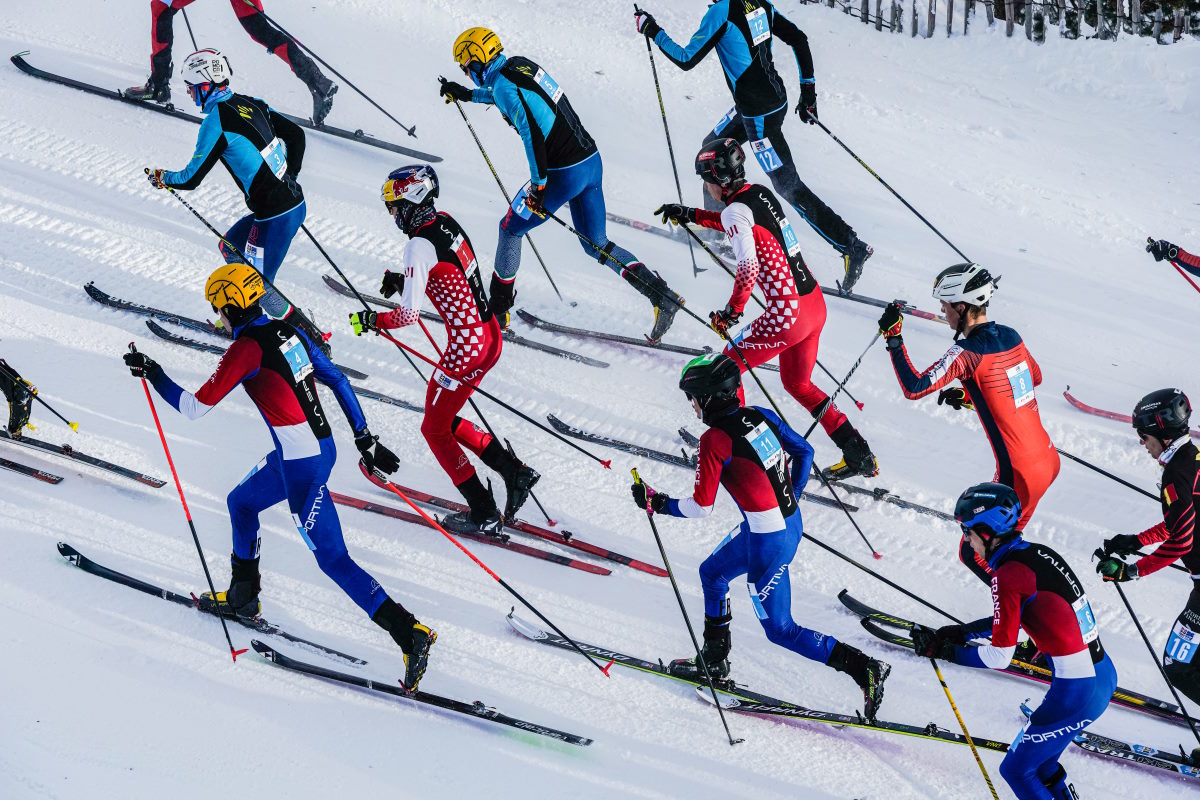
(722, 162)
(1163, 413)
(713, 381)
(993, 507)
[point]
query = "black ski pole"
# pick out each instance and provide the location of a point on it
(662, 110)
(188, 22)
(683, 610)
(875, 175)
(411, 131)
(1106, 474)
(33, 390)
(503, 191)
(829, 403)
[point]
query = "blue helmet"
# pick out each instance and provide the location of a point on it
(993, 507)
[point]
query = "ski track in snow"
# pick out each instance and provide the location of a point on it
(1050, 164)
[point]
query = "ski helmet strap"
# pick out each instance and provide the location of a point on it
(962, 321)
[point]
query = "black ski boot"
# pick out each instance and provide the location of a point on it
(19, 393)
(483, 516)
(241, 599)
(323, 100)
(414, 639)
(867, 672)
(857, 458)
(651, 286)
(715, 653)
(156, 89)
(1058, 787)
(519, 478)
(857, 253)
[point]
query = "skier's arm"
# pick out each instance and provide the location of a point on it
(1179, 525)
(789, 34)
(797, 447)
(1012, 585)
(1034, 370)
(715, 450)
(292, 136)
(704, 39)
(483, 95)
(956, 363)
(419, 258)
(511, 102)
(210, 144)
(738, 223)
(327, 373)
(240, 362)
(1188, 262)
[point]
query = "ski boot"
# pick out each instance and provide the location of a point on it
(1058, 787)
(19, 393)
(715, 653)
(156, 89)
(867, 672)
(322, 100)
(241, 599)
(519, 478)
(651, 286)
(857, 253)
(482, 516)
(414, 639)
(857, 458)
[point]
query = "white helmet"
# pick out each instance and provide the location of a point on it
(206, 66)
(964, 283)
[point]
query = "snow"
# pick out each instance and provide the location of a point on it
(1049, 164)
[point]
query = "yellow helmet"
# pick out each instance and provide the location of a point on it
(237, 285)
(476, 44)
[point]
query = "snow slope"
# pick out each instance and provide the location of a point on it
(1049, 164)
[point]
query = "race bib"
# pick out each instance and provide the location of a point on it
(765, 153)
(1181, 645)
(462, 249)
(518, 204)
(255, 254)
(725, 120)
(549, 86)
(275, 156)
(445, 381)
(765, 445)
(297, 358)
(1086, 619)
(1021, 381)
(790, 241)
(759, 25)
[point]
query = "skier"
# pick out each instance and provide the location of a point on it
(1033, 588)
(744, 451)
(19, 394)
(564, 165)
(250, 15)
(1174, 253)
(1161, 421)
(279, 367)
(767, 252)
(439, 262)
(741, 32)
(262, 150)
(998, 376)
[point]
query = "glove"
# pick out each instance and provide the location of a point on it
(1116, 570)
(1123, 544)
(503, 294)
(535, 198)
(645, 497)
(141, 365)
(455, 92)
(891, 321)
(645, 24)
(393, 283)
(375, 455)
(938, 643)
(155, 176)
(807, 108)
(721, 320)
(956, 398)
(363, 321)
(1162, 249)
(677, 213)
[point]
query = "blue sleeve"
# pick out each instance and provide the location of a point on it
(167, 389)
(712, 27)
(797, 447)
(210, 143)
(328, 374)
(979, 629)
(671, 509)
(483, 95)
(508, 99)
(968, 656)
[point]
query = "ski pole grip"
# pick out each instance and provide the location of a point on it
(636, 478)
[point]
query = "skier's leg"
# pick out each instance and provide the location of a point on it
(1179, 656)
(290, 52)
(233, 244)
(758, 343)
(261, 488)
(268, 240)
(769, 555)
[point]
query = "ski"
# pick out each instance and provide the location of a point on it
(931, 731)
(1034, 669)
(75, 558)
(386, 398)
(1113, 415)
(67, 451)
(21, 469)
(1145, 755)
(672, 232)
(475, 709)
(682, 460)
(501, 541)
(19, 61)
(882, 495)
(509, 334)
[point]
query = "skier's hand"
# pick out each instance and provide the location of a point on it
(957, 398)
(1162, 249)
(807, 108)
(1116, 570)
(938, 643)
(363, 321)
(1122, 544)
(455, 92)
(677, 213)
(647, 499)
(645, 24)
(891, 321)
(375, 455)
(720, 321)
(535, 198)
(393, 283)
(502, 295)
(141, 365)
(155, 176)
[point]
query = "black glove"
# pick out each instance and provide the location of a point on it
(393, 283)
(1123, 544)
(807, 108)
(645, 24)
(455, 92)
(502, 295)
(677, 213)
(721, 320)
(956, 398)
(141, 365)
(1162, 249)
(642, 491)
(891, 321)
(375, 455)
(535, 198)
(938, 643)
(1116, 570)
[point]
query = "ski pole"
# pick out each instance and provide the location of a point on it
(188, 22)
(841, 385)
(391, 487)
(875, 175)
(411, 131)
(1106, 474)
(662, 110)
(1153, 657)
(187, 513)
(33, 390)
(987, 778)
(503, 191)
(683, 610)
